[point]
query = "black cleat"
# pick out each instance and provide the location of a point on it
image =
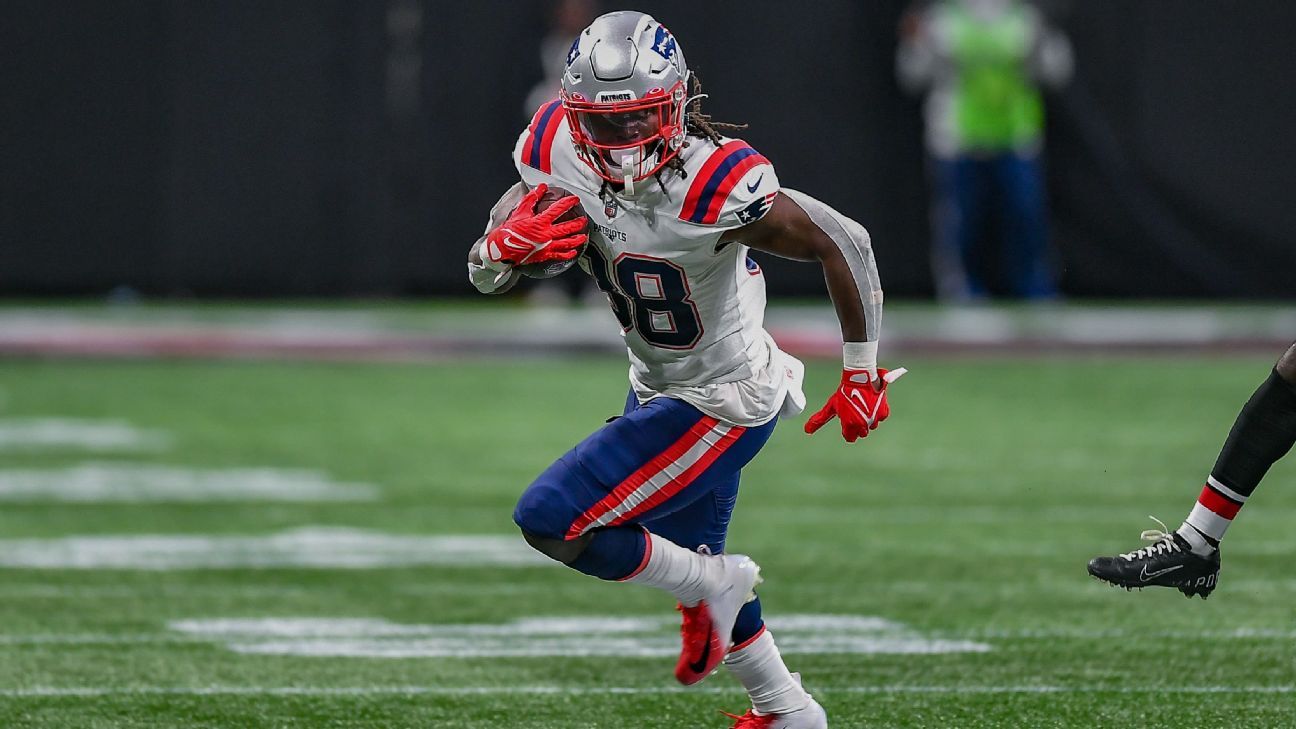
(1168, 562)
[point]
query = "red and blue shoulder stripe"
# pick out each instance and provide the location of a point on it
(537, 151)
(717, 178)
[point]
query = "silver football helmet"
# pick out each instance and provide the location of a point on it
(624, 93)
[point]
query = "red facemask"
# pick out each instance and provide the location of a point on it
(627, 141)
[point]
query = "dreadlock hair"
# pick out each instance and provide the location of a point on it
(698, 124)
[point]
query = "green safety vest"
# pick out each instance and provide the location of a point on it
(995, 104)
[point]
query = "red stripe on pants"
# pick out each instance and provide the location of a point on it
(639, 477)
(678, 483)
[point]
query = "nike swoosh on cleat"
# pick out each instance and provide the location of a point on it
(701, 664)
(1144, 575)
(752, 187)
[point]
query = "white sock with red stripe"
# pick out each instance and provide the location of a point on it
(759, 667)
(1210, 517)
(687, 575)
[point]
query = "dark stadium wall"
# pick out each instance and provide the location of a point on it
(347, 147)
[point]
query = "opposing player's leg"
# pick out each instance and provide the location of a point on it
(1189, 558)
(776, 694)
(586, 511)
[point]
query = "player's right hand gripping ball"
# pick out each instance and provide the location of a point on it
(860, 402)
(541, 239)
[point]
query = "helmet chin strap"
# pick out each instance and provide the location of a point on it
(629, 165)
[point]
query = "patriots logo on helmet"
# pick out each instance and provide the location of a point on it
(664, 44)
(574, 53)
(757, 209)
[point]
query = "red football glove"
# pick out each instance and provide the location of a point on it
(860, 402)
(531, 237)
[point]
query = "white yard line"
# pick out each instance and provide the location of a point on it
(650, 636)
(150, 483)
(244, 628)
(548, 690)
(172, 592)
(78, 433)
(449, 586)
(305, 547)
(88, 639)
(567, 636)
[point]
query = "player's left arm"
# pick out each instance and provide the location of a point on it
(801, 228)
(788, 232)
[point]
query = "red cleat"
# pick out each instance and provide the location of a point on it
(702, 650)
(751, 720)
(811, 716)
(708, 626)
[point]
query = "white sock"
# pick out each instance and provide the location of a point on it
(1211, 516)
(1200, 546)
(687, 575)
(759, 668)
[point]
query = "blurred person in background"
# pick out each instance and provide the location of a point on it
(567, 18)
(982, 64)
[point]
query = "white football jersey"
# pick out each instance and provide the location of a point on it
(691, 310)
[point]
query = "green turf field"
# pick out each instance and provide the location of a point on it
(958, 533)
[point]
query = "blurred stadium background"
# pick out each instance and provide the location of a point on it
(347, 148)
(246, 391)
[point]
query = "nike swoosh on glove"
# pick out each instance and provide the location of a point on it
(531, 237)
(860, 402)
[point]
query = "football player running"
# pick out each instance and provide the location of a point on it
(1188, 559)
(672, 208)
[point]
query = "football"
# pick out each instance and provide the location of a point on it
(552, 268)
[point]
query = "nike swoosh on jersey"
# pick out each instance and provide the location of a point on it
(752, 187)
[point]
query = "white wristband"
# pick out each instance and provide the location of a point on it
(860, 356)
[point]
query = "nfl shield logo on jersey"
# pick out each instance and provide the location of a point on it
(609, 209)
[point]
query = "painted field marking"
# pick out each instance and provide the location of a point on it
(19, 591)
(148, 483)
(200, 631)
(553, 636)
(90, 639)
(548, 690)
(78, 433)
(305, 547)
